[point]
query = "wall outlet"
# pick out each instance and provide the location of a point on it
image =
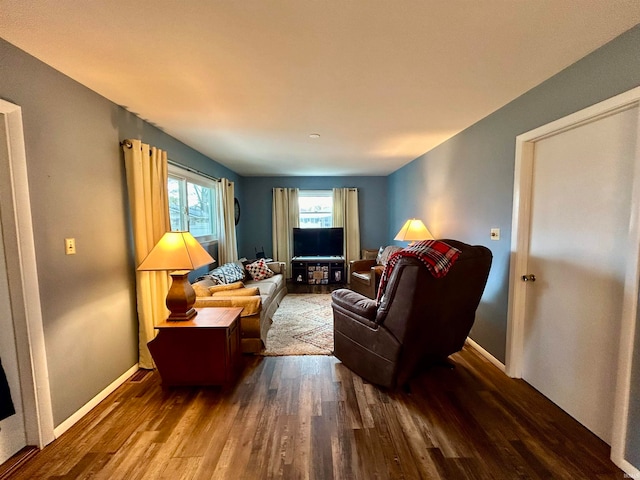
(70, 246)
(495, 234)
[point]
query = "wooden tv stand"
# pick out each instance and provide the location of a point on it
(318, 270)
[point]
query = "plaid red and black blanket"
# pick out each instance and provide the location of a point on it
(437, 256)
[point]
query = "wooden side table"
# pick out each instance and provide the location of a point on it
(202, 351)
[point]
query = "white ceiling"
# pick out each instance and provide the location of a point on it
(246, 81)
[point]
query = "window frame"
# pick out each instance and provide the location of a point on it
(327, 193)
(185, 176)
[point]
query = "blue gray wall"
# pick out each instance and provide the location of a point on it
(464, 187)
(255, 221)
(78, 189)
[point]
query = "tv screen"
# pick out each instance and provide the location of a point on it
(318, 242)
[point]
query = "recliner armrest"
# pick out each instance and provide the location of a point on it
(355, 305)
(361, 265)
(378, 269)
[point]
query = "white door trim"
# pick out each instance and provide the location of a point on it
(23, 284)
(520, 234)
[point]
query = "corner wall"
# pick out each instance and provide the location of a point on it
(464, 187)
(78, 189)
(255, 219)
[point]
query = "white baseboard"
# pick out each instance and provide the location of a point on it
(486, 354)
(629, 470)
(69, 422)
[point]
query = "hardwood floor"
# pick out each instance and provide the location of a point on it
(310, 417)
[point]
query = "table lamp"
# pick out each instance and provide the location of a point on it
(179, 253)
(413, 230)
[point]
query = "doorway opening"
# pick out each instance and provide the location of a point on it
(22, 280)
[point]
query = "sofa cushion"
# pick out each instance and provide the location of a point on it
(238, 292)
(251, 305)
(268, 285)
(259, 270)
(265, 288)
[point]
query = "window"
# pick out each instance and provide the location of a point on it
(315, 208)
(191, 204)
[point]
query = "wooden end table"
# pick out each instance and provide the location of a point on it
(202, 351)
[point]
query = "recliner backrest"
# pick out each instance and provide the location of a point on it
(431, 317)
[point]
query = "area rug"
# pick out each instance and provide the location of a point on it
(302, 325)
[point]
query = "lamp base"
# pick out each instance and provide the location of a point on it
(181, 297)
(181, 317)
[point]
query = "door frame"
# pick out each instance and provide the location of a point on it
(22, 275)
(520, 234)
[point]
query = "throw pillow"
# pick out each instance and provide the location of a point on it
(209, 277)
(201, 290)
(259, 270)
(226, 286)
(383, 257)
(238, 292)
(228, 273)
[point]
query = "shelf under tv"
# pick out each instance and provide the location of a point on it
(318, 270)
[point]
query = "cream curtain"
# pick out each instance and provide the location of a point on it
(146, 169)
(227, 243)
(345, 214)
(285, 217)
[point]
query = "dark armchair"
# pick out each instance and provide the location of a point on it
(365, 274)
(420, 319)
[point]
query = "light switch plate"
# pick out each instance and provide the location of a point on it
(70, 246)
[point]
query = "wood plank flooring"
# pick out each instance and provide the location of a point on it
(311, 417)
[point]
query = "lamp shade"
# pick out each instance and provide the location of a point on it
(181, 253)
(176, 251)
(413, 230)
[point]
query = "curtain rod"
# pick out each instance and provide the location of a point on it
(193, 170)
(317, 189)
(128, 144)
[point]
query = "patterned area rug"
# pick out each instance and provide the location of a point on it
(302, 325)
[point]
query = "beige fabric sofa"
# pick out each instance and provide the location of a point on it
(254, 326)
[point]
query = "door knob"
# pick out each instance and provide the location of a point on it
(529, 278)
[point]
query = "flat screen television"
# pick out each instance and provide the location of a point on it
(318, 242)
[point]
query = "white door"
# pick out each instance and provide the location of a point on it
(12, 429)
(580, 218)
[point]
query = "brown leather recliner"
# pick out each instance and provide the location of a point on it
(365, 274)
(420, 320)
